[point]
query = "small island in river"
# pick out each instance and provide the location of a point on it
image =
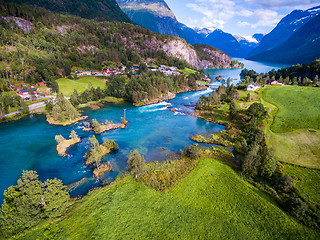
(64, 144)
(97, 152)
(101, 128)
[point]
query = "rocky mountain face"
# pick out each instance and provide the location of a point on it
(302, 47)
(198, 56)
(152, 14)
(289, 25)
(100, 10)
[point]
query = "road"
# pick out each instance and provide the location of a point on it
(31, 107)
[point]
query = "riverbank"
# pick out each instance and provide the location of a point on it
(95, 105)
(51, 121)
(168, 96)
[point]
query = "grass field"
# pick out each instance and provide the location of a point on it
(293, 126)
(67, 86)
(187, 71)
(308, 181)
(212, 202)
(298, 107)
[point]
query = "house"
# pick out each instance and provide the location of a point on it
(253, 87)
(173, 68)
(40, 84)
(83, 73)
(107, 71)
(274, 82)
(113, 70)
(134, 68)
(26, 93)
(162, 67)
(152, 69)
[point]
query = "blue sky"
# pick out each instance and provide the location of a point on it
(239, 17)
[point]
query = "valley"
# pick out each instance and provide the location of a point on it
(147, 119)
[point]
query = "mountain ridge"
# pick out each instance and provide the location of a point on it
(284, 30)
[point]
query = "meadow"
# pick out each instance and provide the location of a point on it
(211, 202)
(298, 107)
(293, 127)
(67, 86)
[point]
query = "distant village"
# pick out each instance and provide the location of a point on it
(135, 69)
(40, 91)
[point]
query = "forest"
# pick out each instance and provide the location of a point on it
(49, 45)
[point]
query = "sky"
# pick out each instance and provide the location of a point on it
(239, 17)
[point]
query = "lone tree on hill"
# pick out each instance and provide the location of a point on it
(136, 164)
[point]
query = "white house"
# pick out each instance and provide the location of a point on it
(253, 87)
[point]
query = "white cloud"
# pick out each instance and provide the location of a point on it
(276, 4)
(216, 12)
(267, 18)
(243, 24)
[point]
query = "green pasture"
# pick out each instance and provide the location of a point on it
(293, 125)
(298, 107)
(67, 86)
(212, 202)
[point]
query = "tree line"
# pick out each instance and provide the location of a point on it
(300, 74)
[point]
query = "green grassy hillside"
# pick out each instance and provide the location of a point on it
(212, 202)
(295, 131)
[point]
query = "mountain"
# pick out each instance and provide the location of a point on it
(100, 10)
(249, 43)
(226, 42)
(284, 30)
(152, 14)
(303, 46)
(50, 44)
(217, 38)
(157, 16)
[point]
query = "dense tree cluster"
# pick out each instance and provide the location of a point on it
(96, 151)
(30, 201)
(63, 110)
(89, 95)
(148, 85)
(9, 101)
(218, 97)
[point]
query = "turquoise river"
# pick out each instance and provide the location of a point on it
(29, 144)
